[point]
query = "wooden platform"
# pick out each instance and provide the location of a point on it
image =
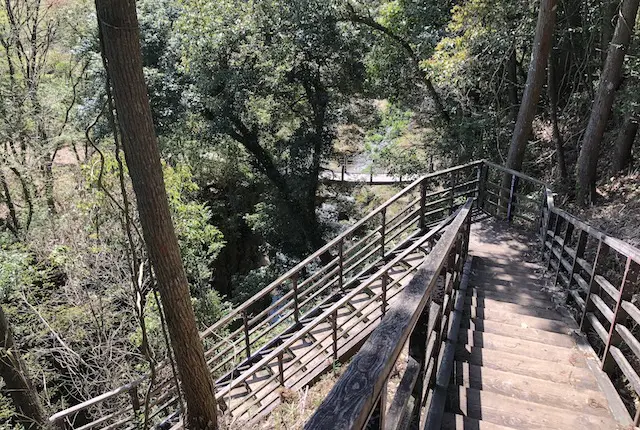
(518, 362)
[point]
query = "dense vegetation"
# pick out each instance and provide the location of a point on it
(250, 100)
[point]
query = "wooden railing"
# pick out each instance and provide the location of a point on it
(359, 398)
(251, 334)
(600, 274)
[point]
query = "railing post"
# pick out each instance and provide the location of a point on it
(379, 416)
(556, 229)
(294, 286)
(384, 293)
(452, 191)
(383, 229)
(281, 369)
(567, 235)
(629, 280)
(334, 334)
(510, 203)
(245, 325)
(341, 263)
(423, 202)
(418, 351)
(482, 176)
(135, 401)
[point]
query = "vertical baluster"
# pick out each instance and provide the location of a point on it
(341, 263)
(294, 286)
(281, 369)
(384, 293)
(383, 229)
(580, 246)
(452, 191)
(511, 195)
(334, 328)
(629, 280)
(245, 325)
(601, 253)
(423, 202)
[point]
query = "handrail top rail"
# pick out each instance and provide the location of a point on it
(337, 305)
(376, 355)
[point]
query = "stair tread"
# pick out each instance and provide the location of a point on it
(541, 369)
(520, 298)
(531, 389)
(452, 421)
(539, 350)
(486, 305)
(520, 414)
(477, 315)
(519, 331)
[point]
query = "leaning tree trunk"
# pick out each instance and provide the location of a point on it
(16, 380)
(121, 46)
(624, 143)
(535, 79)
(601, 110)
(552, 90)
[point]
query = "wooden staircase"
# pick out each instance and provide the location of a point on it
(517, 361)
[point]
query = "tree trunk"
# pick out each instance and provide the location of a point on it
(552, 90)
(624, 143)
(512, 84)
(601, 110)
(609, 9)
(17, 383)
(535, 79)
(121, 46)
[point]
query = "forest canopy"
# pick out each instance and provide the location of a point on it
(252, 101)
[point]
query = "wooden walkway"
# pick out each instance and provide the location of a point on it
(518, 362)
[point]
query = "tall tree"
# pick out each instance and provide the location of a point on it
(535, 79)
(552, 92)
(118, 24)
(16, 379)
(624, 143)
(586, 169)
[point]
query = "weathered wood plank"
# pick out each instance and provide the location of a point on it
(503, 410)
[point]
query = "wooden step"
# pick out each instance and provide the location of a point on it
(531, 389)
(540, 300)
(527, 348)
(514, 275)
(508, 288)
(516, 320)
(519, 332)
(489, 306)
(459, 422)
(579, 377)
(520, 414)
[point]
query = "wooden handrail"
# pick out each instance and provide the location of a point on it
(352, 399)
